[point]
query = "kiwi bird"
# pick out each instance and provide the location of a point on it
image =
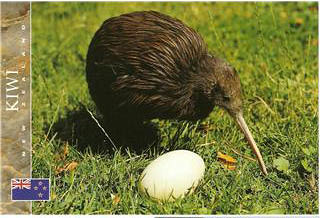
(146, 65)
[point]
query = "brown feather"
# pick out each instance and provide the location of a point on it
(145, 65)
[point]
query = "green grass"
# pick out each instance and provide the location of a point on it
(273, 46)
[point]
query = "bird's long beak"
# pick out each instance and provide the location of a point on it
(244, 128)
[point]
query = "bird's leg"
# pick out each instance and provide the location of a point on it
(134, 133)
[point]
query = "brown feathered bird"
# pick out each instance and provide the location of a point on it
(146, 65)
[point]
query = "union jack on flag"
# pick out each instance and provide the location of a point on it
(21, 183)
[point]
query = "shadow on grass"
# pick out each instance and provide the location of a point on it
(81, 131)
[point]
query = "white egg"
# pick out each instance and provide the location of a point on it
(172, 175)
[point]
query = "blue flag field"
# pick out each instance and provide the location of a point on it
(30, 189)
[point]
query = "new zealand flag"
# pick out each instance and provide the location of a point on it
(29, 189)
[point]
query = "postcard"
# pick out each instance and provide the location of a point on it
(163, 109)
